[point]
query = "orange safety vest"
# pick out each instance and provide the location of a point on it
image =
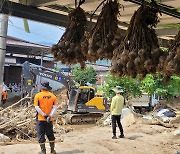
(4, 95)
(45, 100)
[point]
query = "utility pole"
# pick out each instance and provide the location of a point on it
(40, 78)
(3, 38)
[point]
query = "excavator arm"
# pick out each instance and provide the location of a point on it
(31, 71)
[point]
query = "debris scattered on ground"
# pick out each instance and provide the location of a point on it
(18, 121)
(173, 104)
(105, 120)
(127, 118)
(4, 138)
(166, 114)
(175, 120)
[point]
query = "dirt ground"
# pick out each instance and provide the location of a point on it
(139, 138)
(90, 139)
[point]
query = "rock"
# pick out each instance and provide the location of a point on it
(4, 138)
(177, 132)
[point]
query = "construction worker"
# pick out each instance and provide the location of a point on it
(116, 110)
(4, 97)
(46, 105)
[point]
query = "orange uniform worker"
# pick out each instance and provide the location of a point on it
(46, 105)
(4, 97)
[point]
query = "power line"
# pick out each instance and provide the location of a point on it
(60, 28)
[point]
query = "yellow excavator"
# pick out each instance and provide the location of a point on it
(83, 105)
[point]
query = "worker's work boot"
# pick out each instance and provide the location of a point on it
(121, 136)
(52, 145)
(43, 148)
(114, 137)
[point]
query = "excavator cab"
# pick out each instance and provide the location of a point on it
(83, 100)
(84, 106)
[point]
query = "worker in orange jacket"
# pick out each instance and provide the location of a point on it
(45, 104)
(4, 97)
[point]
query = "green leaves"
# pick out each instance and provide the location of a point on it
(150, 84)
(86, 75)
(173, 88)
(130, 86)
(154, 84)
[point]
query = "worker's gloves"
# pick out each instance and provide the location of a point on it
(47, 117)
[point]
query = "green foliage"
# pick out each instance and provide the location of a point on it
(154, 84)
(150, 84)
(172, 89)
(86, 75)
(130, 86)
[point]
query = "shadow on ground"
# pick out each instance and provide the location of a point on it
(133, 137)
(71, 152)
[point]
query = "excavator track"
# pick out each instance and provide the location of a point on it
(85, 118)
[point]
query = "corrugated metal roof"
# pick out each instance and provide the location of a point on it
(99, 68)
(18, 46)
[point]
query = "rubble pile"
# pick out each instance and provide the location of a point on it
(18, 121)
(127, 118)
(166, 114)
